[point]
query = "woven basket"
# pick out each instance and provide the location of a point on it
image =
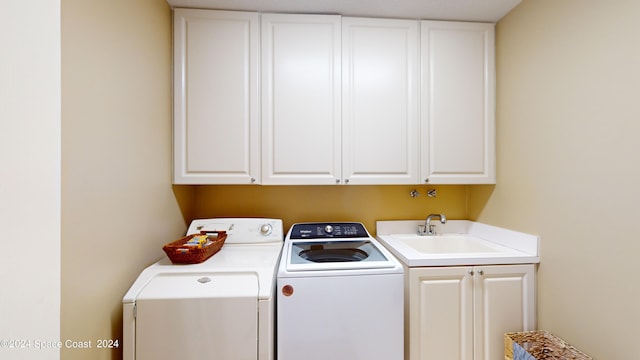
(179, 253)
(539, 345)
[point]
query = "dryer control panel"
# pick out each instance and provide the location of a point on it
(328, 230)
(242, 230)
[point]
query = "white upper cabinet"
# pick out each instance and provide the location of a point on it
(380, 101)
(216, 119)
(301, 134)
(292, 99)
(458, 102)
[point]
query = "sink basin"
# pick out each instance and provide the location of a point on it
(450, 249)
(459, 242)
(446, 244)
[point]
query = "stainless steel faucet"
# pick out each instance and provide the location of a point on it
(427, 228)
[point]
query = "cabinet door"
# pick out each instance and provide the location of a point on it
(380, 101)
(301, 99)
(440, 313)
(504, 301)
(216, 120)
(458, 102)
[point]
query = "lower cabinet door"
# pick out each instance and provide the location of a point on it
(504, 301)
(441, 313)
(462, 313)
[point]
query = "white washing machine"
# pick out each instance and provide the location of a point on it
(340, 295)
(222, 308)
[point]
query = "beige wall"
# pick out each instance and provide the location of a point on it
(118, 206)
(30, 181)
(568, 118)
(568, 80)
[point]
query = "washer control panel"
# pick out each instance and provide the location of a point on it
(328, 230)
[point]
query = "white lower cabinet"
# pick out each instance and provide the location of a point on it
(462, 313)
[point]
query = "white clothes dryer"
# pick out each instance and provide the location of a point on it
(222, 308)
(340, 295)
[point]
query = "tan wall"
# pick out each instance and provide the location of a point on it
(365, 204)
(118, 206)
(568, 118)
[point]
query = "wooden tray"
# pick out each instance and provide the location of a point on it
(179, 253)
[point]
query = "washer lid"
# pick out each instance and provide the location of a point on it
(200, 285)
(335, 254)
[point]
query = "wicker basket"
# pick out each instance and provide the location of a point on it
(539, 345)
(179, 253)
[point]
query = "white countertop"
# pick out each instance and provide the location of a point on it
(507, 246)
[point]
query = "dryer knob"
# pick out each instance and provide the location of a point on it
(266, 229)
(328, 229)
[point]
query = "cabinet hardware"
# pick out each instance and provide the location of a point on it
(337, 181)
(481, 272)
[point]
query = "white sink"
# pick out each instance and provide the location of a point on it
(459, 242)
(446, 244)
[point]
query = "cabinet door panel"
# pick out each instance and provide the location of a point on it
(458, 102)
(216, 124)
(380, 102)
(301, 99)
(504, 302)
(441, 314)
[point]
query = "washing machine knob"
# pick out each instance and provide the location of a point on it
(287, 290)
(266, 229)
(328, 229)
